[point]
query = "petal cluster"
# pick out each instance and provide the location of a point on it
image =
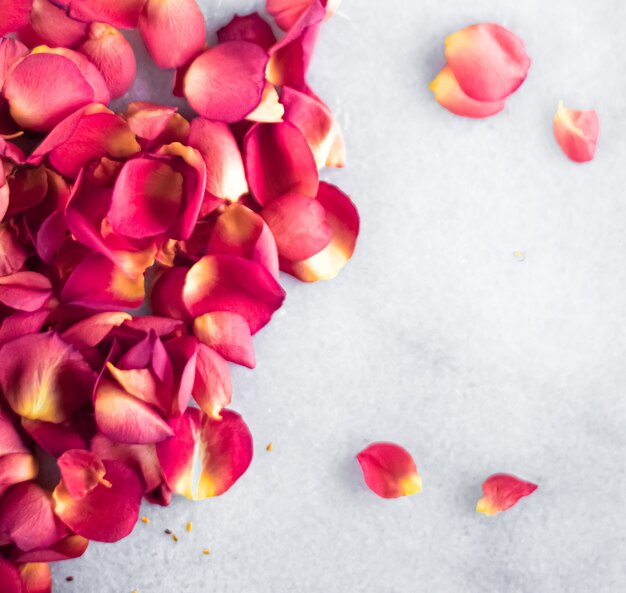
(140, 251)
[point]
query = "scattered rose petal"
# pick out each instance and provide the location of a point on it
(228, 334)
(36, 577)
(577, 133)
(50, 25)
(120, 13)
(501, 492)
(248, 28)
(287, 12)
(13, 15)
(212, 388)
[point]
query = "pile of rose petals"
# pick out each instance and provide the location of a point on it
(104, 212)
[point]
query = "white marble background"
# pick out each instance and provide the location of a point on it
(435, 336)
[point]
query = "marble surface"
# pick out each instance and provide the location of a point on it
(435, 336)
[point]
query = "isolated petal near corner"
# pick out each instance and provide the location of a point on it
(577, 133)
(501, 492)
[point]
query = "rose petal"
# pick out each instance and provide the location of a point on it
(206, 456)
(233, 284)
(173, 31)
(270, 109)
(25, 291)
(250, 27)
(489, 61)
(287, 12)
(27, 518)
(278, 161)
(299, 226)
(212, 388)
(156, 124)
(91, 331)
(68, 547)
(120, 13)
(343, 219)
(28, 188)
(43, 378)
(12, 252)
(577, 133)
(81, 471)
(228, 334)
(107, 513)
(226, 82)
(50, 25)
(226, 177)
(111, 53)
(11, 52)
(13, 15)
(56, 439)
(45, 88)
(502, 491)
(16, 468)
(36, 577)
(389, 470)
(10, 581)
(449, 95)
(21, 324)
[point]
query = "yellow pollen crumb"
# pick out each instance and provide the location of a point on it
(269, 447)
(189, 527)
(174, 537)
(145, 520)
(206, 552)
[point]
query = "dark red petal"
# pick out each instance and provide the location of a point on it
(10, 581)
(250, 27)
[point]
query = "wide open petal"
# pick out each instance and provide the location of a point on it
(173, 31)
(449, 95)
(36, 577)
(250, 27)
(501, 492)
(489, 61)
(226, 177)
(228, 334)
(206, 456)
(299, 226)
(278, 161)
(45, 88)
(114, 57)
(226, 283)
(120, 13)
(25, 291)
(577, 133)
(226, 82)
(108, 512)
(389, 470)
(212, 388)
(50, 25)
(43, 378)
(13, 15)
(343, 218)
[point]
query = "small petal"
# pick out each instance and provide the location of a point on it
(173, 31)
(21, 324)
(156, 124)
(389, 470)
(43, 378)
(82, 471)
(13, 15)
(16, 468)
(68, 547)
(36, 577)
(206, 456)
(343, 219)
(577, 133)
(278, 161)
(25, 291)
(111, 53)
(212, 388)
(108, 512)
(50, 25)
(226, 82)
(250, 27)
(91, 331)
(299, 226)
(489, 61)
(287, 12)
(502, 491)
(233, 284)
(12, 252)
(11, 52)
(228, 334)
(449, 95)
(120, 13)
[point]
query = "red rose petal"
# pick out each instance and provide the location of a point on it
(91, 331)
(43, 378)
(13, 15)
(106, 513)
(11, 51)
(279, 161)
(287, 12)
(270, 109)
(577, 133)
(109, 50)
(12, 252)
(56, 439)
(389, 470)
(25, 291)
(206, 456)
(50, 25)
(226, 82)
(10, 581)
(250, 27)
(449, 95)
(21, 324)
(502, 491)
(156, 124)
(68, 547)
(488, 61)
(16, 468)
(82, 471)
(173, 31)
(120, 13)
(212, 388)
(36, 577)
(228, 334)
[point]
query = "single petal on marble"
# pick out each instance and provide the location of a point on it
(343, 218)
(278, 161)
(489, 61)
(449, 95)
(108, 512)
(127, 419)
(89, 332)
(226, 82)
(43, 378)
(50, 25)
(250, 27)
(233, 284)
(228, 334)
(114, 57)
(212, 387)
(173, 31)
(36, 577)
(25, 291)
(389, 470)
(287, 12)
(501, 492)
(43, 89)
(13, 15)
(299, 226)
(206, 456)
(577, 133)
(119, 13)
(81, 471)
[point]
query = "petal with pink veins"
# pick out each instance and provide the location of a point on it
(11, 52)
(50, 25)
(228, 334)
(212, 388)
(226, 82)
(501, 492)
(488, 61)
(577, 133)
(173, 31)
(206, 456)
(250, 27)
(389, 470)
